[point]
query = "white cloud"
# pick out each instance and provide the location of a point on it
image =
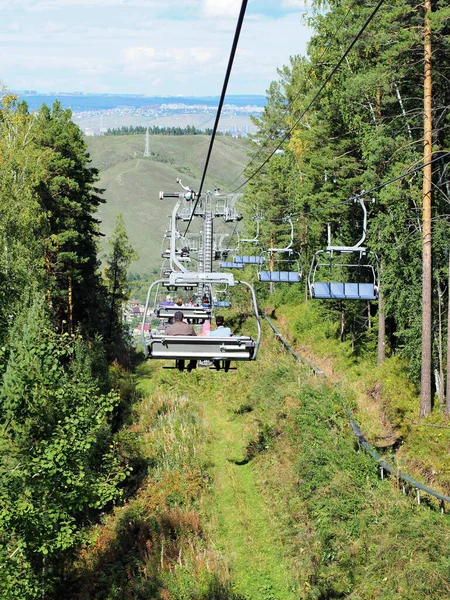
(127, 49)
(221, 8)
(203, 55)
(54, 27)
(296, 4)
(139, 55)
(145, 59)
(42, 5)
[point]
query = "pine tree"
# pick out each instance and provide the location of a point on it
(69, 200)
(115, 276)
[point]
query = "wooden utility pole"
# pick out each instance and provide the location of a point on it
(425, 387)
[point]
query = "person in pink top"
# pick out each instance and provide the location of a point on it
(206, 329)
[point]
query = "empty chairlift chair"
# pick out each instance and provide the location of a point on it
(345, 272)
(279, 259)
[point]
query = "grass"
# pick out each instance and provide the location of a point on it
(132, 183)
(242, 525)
(256, 490)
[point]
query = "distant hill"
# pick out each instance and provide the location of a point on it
(132, 182)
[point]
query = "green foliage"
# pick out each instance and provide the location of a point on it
(57, 461)
(115, 277)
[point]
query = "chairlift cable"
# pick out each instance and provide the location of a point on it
(316, 96)
(365, 193)
(221, 101)
(285, 110)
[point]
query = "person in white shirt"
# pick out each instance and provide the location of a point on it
(221, 331)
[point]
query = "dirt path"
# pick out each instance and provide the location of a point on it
(242, 526)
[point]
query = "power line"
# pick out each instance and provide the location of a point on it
(284, 112)
(366, 193)
(222, 98)
(316, 96)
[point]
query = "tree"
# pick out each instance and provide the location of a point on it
(69, 200)
(57, 462)
(427, 283)
(21, 255)
(115, 276)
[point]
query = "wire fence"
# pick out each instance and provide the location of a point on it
(406, 482)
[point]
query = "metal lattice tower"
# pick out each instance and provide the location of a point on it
(147, 143)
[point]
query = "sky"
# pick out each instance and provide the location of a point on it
(154, 47)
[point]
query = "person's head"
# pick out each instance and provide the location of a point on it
(178, 316)
(219, 321)
(179, 301)
(169, 298)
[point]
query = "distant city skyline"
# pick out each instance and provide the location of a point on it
(150, 47)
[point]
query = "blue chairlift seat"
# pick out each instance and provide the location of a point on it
(222, 303)
(344, 291)
(249, 260)
(279, 276)
(231, 265)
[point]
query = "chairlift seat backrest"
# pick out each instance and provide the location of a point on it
(194, 313)
(231, 265)
(344, 291)
(222, 303)
(201, 347)
(279, 276)
(249, 260)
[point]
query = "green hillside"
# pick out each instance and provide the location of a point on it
(132, 182)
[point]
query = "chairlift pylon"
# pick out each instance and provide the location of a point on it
(218, 349)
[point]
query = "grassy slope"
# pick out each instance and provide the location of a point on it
(305, 517)
(387, 402)
(132, 182)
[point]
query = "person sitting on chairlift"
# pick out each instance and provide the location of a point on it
(221, 331)
(206, 303)
(167, 302)
(179, 327)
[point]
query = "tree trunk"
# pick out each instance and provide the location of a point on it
(425, 387)
(70, 303)
(342, 328)
(381, 329)
(440, 375)
(447, 402)
(272, 259)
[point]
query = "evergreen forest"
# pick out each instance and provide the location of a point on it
(122, 478)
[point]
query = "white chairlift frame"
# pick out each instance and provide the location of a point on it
(225, 350)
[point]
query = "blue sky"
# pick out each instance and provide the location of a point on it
(156, 47)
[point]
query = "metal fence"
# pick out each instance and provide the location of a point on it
(384, 467)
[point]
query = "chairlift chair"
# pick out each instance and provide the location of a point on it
(285, 270)
(231, 265)
(279, 259)
(358, 269)
(180, 348)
